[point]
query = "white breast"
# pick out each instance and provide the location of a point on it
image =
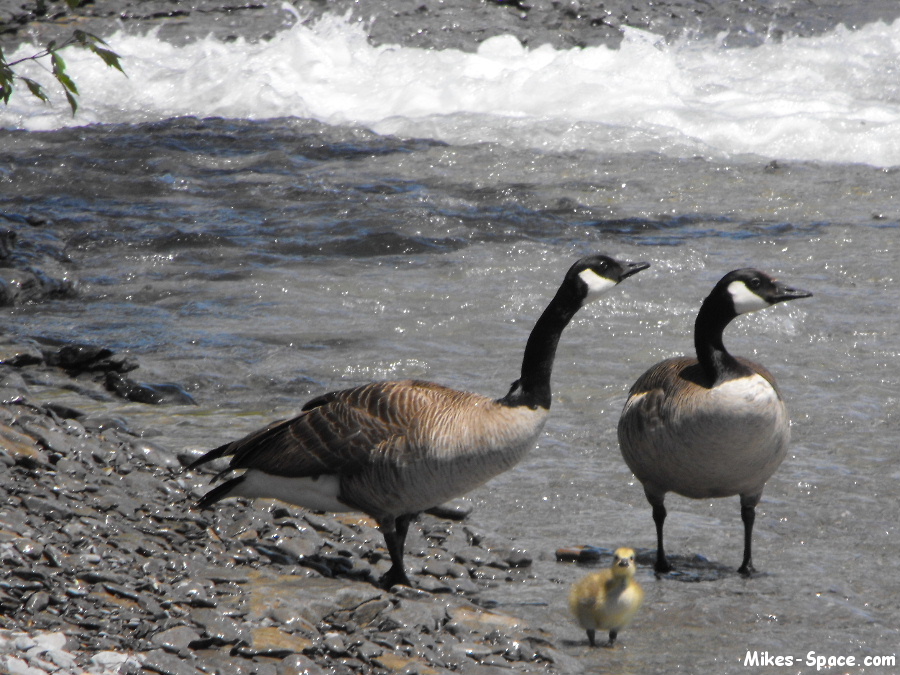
(753, 391)
(712, 443)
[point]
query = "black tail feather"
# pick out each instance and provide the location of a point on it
(218, 492)
(215, 453)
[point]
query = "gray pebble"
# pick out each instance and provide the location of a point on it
(297, 664)
(164, 663)
(175, 639)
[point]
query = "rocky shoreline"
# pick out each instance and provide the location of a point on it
(106, 567)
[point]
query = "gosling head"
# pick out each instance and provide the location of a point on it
(623, 563)
(750, 290)
(594, 275)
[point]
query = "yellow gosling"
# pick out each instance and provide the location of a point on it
(608, 599)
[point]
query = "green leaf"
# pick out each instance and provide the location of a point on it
(80, 38)
(96, 39)
(66, 82)
(59, 72)
(36, 89)
(6, 75)
(59, 65)
(73, 102)
(110, 58)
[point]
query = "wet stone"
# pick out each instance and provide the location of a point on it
(142, 392)
(579, 554)
(51, 439)
(367, 612)
(220, 629)
(109, 660)
(20, 354)
(518, 558)
(21, 447)
(297, 664)
(154, 454)
(164, 663)
(274, 643)
(37, 602)
(176, 639)
(67, 414)
(368, 650)
(457, 509)
(335, 644)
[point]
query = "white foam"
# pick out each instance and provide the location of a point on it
(832, 98)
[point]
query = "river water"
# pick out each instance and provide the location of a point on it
(331, 216)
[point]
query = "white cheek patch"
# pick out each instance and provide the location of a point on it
(596, 285)
(744, 299)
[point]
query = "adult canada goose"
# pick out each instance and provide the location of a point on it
(608, 599)
(714, 426)
(392, 449)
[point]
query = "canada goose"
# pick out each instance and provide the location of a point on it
(714, 426)
(392, 449)
(608, 599)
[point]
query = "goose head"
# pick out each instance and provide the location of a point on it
(623, 563)
(748, 290)
(594, 275)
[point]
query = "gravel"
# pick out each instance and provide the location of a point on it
(107, 568)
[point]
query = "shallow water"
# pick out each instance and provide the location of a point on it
(258, 263)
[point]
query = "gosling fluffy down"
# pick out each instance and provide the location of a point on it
(609, 599)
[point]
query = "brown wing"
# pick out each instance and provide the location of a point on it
(338, 432)
(647, 397)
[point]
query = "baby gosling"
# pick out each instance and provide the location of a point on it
(608, 599)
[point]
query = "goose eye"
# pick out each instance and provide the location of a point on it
(754, 284)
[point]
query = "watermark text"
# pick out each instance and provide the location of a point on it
(763, 659)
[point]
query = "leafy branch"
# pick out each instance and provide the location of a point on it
(79, 38)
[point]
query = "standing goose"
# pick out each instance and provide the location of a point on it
(714, 426)
(392, 449)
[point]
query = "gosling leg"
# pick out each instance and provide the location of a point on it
(613, 634)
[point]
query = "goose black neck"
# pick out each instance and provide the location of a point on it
(532, 389)
(718, 365)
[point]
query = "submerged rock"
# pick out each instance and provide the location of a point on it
(141, 392)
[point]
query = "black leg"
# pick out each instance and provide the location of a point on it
(613, 634)
(590, 634)
(659, 517)
(394, 531)
(748, 515)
